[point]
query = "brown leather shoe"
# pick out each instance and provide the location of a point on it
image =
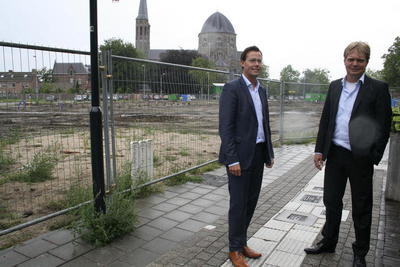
(237, 259)
(249, 253)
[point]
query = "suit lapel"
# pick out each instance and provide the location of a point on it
(336, 97)
(248, 96)
(263, 99)
(361, 94)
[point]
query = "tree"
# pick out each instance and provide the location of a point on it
(288, 74)
(317, 76)
(264, 73)
(120, 48)
(128, 75)
(183, 57)
(391, 66)
(45, 75)
(376, 74)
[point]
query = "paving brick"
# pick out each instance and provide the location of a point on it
(162, 223)
(60, 237)
(12, 258)
(103, 255)
(191, 225)
(150, 213)
(147, 233)
(165, 207)
(44, 260)
(205, 217)
(70, 250)
(177, 235)
(189, 208)
(178, 215)
(34, 249)
(159, 245)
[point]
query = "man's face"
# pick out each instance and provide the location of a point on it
(252, 65)
(355, 63)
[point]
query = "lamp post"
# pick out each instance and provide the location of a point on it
(144, 79)
(161, 83)
(36, 78)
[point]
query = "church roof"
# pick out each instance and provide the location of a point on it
(217, 22)
(142, 10)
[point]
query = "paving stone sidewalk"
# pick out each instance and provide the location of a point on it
(187, 226)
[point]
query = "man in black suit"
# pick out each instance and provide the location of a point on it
(352, 136)
(245, 147)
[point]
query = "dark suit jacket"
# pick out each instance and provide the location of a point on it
(369, 124)
(238, 124)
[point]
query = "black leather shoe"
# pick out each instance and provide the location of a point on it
(359, 261)
(320, 247)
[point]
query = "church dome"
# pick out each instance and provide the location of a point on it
(217, 23)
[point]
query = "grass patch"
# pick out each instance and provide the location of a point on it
(40, 169)
(184, 152)
(147, 190)
(170, 158)
(7, 218)
(207, 168)
(183, 179)
(300, 141)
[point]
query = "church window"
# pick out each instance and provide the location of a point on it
(141, 31)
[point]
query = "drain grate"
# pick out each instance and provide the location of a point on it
(311, 198)
(296, 217)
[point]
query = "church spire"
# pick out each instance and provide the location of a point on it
(143, 29)
(142, 10)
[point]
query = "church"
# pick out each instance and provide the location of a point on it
(217, 40)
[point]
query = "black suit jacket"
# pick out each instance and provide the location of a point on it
(238, 124)
(369, 125)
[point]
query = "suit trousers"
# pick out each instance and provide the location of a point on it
(342, 165)
(244, 191)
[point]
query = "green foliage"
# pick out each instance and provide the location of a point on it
(5, 161)
(183, 57)
(47, 88)
(264, 73)
(316, 76)
(98, 228)
(39, 169)
(145, 191)
(289, 74)
(206, 168)
(120, 48)
(202, 77)
(182, 179)
(391, 66)
(45, 75)
(376, 74)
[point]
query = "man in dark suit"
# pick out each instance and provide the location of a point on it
(245, 147)
(352, 136)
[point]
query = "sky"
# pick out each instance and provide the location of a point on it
(307, 34)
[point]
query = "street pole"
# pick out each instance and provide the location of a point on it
(144, 79)
(96, 137)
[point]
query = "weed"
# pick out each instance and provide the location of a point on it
(184, 152)
(39, 169)
(156, 161)
(100, 228)
(5, 161)
(146, 191)
(170, 158)
(182, 179)
(207, 168)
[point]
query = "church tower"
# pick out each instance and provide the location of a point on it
(143, 29)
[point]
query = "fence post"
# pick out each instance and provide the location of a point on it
(281, 112)
(106, 128)
(96, 138)
(111, 88)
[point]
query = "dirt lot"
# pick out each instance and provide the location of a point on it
(183, 134)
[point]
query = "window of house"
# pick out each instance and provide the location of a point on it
(71, 80)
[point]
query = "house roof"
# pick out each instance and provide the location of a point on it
(66, 68)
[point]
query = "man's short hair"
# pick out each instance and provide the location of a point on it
(247, 50)
(360, 47)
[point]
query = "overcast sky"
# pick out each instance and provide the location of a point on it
(305, 34)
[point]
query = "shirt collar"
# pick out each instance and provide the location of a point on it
(361, 80)
(249, 84)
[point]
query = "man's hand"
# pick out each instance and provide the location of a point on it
(270, 164)
(318, 162)
(235, 170)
